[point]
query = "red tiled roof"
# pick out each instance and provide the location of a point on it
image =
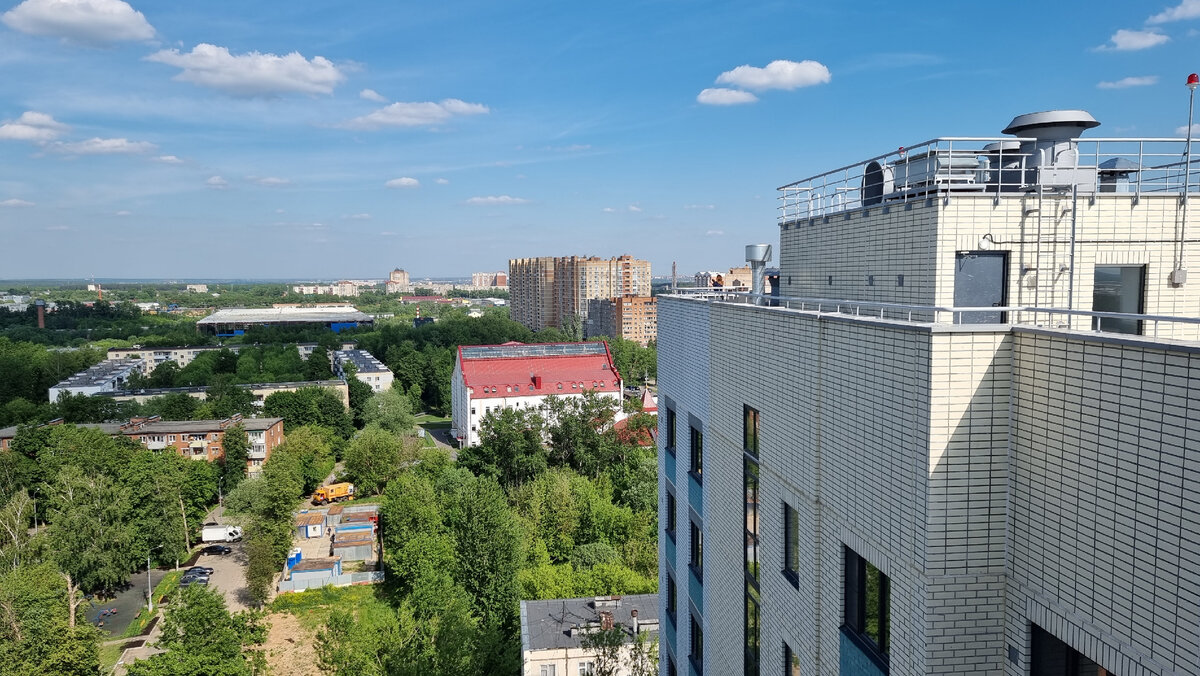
(502, 376)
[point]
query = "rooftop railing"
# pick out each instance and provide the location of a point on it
(993, 166)
(1166, 327)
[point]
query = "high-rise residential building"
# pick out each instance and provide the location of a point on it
(545, 291)
(734, 278)
(398, 282)
(962, 439)
(630, 317)
(485, 280)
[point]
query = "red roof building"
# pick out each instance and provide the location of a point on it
(517, 375)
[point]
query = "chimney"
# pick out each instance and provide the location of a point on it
(606, 620)
(633, 614)
(757, 255)
(41, 313)
(537, 382)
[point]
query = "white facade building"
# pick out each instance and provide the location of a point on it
(553, 631)
(369, 369)
(106, 376)
(515, 375)
(981, 460)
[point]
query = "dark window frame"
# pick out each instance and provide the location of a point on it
(696, 645)
(857, 613)
(791, 661)
(696, 453)
(672, 515)
(671, 439)
(751, 516)
(752, 631)
(1134, 327)
(672, 599)
(696, 550)
(791, 545)
(751, 429)
(1066, 660)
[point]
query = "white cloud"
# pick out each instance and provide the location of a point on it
(417, 114)
(254, 73)
(105, 146)
(88, 21)
(403, 182)
(576, 148)
(707, 207)
(280, 211)
(714, 233)
(442, 181)
(14, 202)
(497, 199)
(634, 208)
(608, 210)
(58, 228)
(168, 159)
(372, 95)
(387, 233)
(1126, 82)
(1182, 131)
(217, 183)
(123, 213)
(779, 74)
(1126, 40)
(359, 217)
(32, 126)
(720, 96)
(1188, 9)
(271, 181)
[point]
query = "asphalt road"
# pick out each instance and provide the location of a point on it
(229, 570)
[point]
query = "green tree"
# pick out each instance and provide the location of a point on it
(317, 366)
(510, 447)
(164, 375)
(310, 406)
(489, 549)
(391, 409)
(174, 406)
(15, 519)
(90, 537)
(224, 398)
(605, 645)
(201, 638)
(374, 457)
(236, 445)
(37, 635)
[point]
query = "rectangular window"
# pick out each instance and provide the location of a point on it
(696, 440)
(1119, 288)
(750, 484)
(867, 604)
(587, 669)
(671, 430)
(697, 646)
(672, 593)
(751, 631)
(547, 670)
(671, 510)
(672, 670)
(791, 544)
(750, 430)
(1052, 657)
(697, 556)
(791, 662)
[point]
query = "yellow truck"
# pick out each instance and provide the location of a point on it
(333, 493)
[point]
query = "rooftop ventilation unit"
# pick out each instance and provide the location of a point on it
(757, 255)
(1051, 153)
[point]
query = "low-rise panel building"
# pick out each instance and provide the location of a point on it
(367, 368)
(107, 376)
(552, 631)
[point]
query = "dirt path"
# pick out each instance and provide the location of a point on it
(290, 647)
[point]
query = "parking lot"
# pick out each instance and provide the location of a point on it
(229, 576)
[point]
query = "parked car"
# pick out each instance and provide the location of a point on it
(195, 579)
(218, 550)
(198, 570)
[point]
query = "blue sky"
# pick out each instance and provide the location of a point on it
(333, 139)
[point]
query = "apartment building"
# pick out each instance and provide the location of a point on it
(193, 439)
(545, 291)
(736, 278)
(153, 357)
(397, 282)
(486, 280)
(630, 317)
(977, 458)
(488, 378)
(367, 368)
(107, 376)
(260, 391)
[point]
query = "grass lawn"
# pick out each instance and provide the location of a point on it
(109, 654)
(431, 418)
(163, 590)
(313, 607)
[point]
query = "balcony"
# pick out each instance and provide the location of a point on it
(257, 452)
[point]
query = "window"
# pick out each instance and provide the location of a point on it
(697, 557)
(171, 438)
(672, 592)
(750, 482)
(791, 544)
(671, 431)
(697, 445)
(670, 515)
(697, 647)
(547, 670)
(672, 670)
(1118, 288)
(750, 430)
(867, 599)
(1052, 657)
(751, 633)
(791, 662)
(587, 669)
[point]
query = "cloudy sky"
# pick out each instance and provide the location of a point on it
(334, 139)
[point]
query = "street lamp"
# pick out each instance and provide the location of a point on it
(149, 589)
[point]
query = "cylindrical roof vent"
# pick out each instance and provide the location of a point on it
(1053, 133)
